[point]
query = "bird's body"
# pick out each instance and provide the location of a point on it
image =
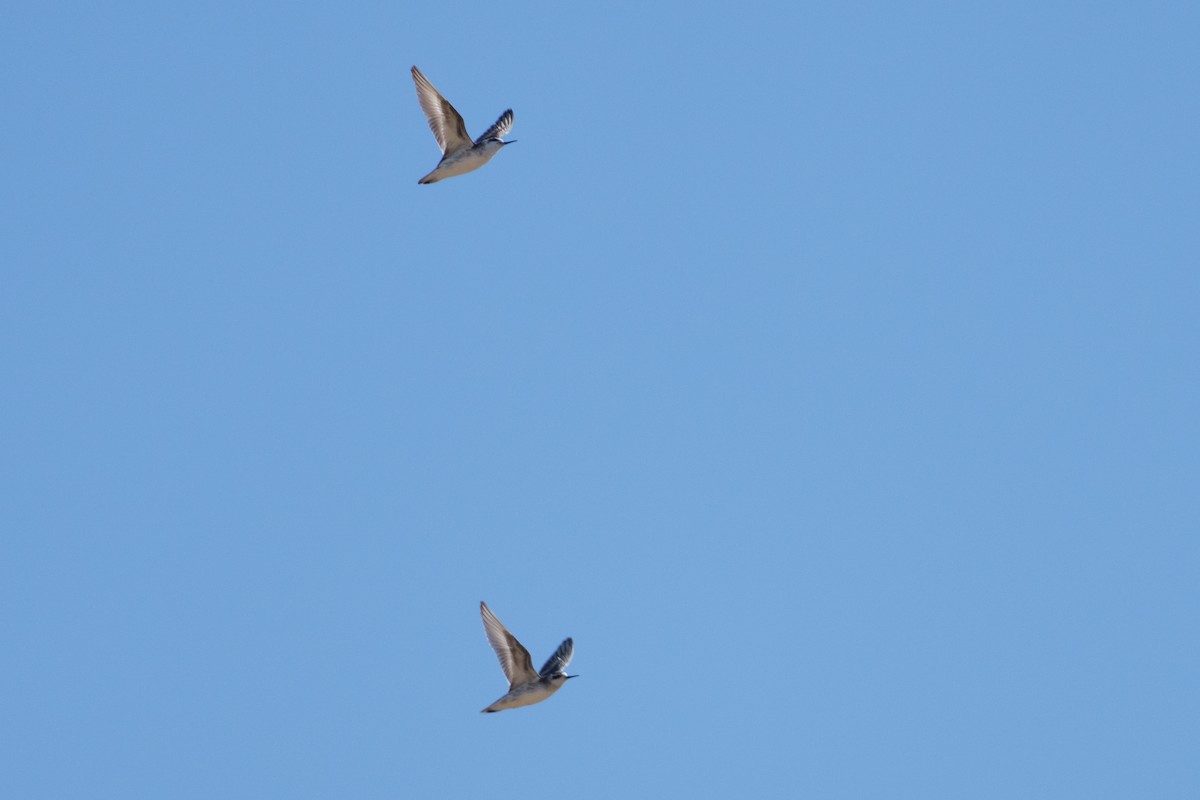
(460, 155)
(526, 695)
(525, 687)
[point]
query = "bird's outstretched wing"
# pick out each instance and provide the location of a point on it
(500, 129)
(446, 123)
(562, 656)
(514, 659)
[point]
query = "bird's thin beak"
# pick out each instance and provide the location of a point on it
(514, 141)
(572, 676)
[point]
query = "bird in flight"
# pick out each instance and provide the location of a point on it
(459, 154)
(525, 687)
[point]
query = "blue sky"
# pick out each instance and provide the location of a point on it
(827, 371)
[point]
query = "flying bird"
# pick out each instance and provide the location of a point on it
(525, 687)
(459, 154)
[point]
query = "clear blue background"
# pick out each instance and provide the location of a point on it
(828, 371)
